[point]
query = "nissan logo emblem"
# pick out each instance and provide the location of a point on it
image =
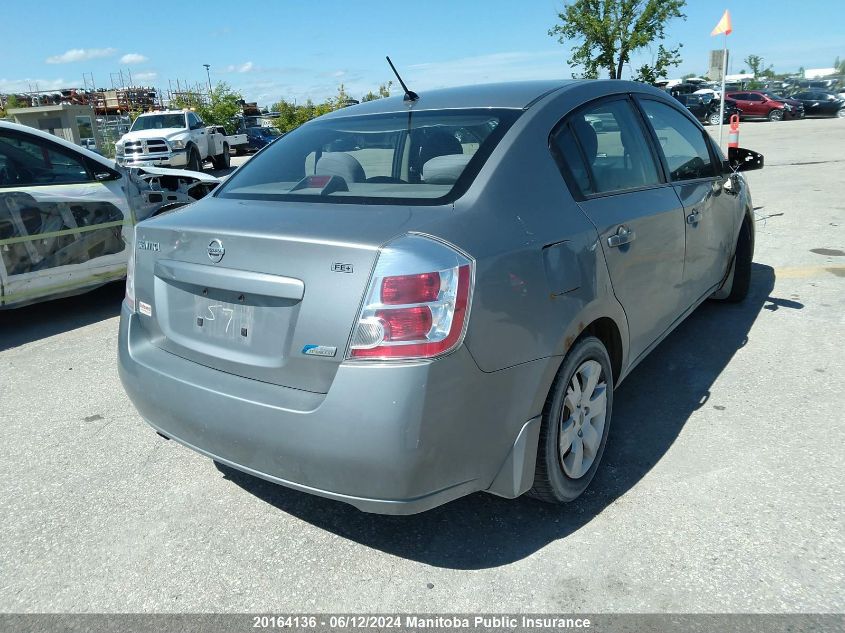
(216, 251)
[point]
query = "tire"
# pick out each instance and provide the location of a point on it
(738, 282)
(556, 475)
(713, 119)
(840, 113)
(224, 159)
(776, 115)
(194, 160)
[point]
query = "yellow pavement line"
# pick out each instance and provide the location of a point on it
(804, 272)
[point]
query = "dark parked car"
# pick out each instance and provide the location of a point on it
(819, 103)
(258, 137)
(706, 109)
(756, 104)
(409, 300)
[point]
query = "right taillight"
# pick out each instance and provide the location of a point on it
(417, 302)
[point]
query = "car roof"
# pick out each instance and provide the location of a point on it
(512, 95)
(60, 141)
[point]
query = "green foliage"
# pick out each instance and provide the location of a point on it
(223, 108)
(383, 91)
(11, 102)
(756, 66)
(292, 115)
(665, 58)
(605, 33)
(839, 65)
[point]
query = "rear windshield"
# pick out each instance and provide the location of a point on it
(427, 157)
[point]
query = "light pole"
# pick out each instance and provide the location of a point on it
(208, 74)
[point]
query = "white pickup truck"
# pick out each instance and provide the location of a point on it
(237, 142)
(174, 138)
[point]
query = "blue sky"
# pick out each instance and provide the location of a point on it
(296, 50)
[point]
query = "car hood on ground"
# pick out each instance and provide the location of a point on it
(184, 173)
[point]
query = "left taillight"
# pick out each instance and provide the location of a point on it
(130, 277)
(417, 302)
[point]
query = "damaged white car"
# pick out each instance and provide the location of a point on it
(66, 214)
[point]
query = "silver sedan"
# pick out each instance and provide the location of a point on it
(410, 300)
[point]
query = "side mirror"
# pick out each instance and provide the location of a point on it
(741, 159)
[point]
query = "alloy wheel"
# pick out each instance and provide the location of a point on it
(582, 419)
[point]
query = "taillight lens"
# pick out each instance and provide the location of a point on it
(130, 277)
(417, 302)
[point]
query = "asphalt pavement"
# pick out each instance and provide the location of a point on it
(721, 488)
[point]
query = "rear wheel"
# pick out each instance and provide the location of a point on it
(776, 115)
(576, 421)
(224, 159)
(736, 286)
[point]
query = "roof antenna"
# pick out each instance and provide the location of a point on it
(410, 95)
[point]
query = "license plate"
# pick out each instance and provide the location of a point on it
(222, 320)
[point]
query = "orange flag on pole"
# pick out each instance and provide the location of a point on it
(724, 25)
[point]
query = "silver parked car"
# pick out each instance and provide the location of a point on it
(410, 300)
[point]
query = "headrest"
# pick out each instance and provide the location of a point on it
(340, 164)
(445, 170)
(438, 143)
(587, 137)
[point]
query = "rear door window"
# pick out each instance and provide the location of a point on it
(682, 142)
(612, 151)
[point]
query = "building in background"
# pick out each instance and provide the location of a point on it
(72, 122)
(716, 65)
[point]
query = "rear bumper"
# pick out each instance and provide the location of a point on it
(387, 438)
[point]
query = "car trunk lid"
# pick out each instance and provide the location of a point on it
(265, 290)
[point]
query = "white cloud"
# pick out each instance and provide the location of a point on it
(247, 67)
(81, 55)
(26, 85)
(147, 76)
(133, 58)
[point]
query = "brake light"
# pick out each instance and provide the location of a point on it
(417, 302)
(420, 288)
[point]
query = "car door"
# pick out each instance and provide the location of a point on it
(709, 208)
(615, 175)
(62, 219)
(198, 133)
(740, 98)
(759, 105)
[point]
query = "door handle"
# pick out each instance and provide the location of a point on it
(694, 217)
(624, 235)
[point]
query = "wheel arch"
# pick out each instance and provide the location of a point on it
(606, 330)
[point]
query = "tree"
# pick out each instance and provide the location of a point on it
(605, 33)
(383, 92)
(223, 108)
(665, 58)
(292, 115)
(839, 65)
(11, 102)
(755, 64)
